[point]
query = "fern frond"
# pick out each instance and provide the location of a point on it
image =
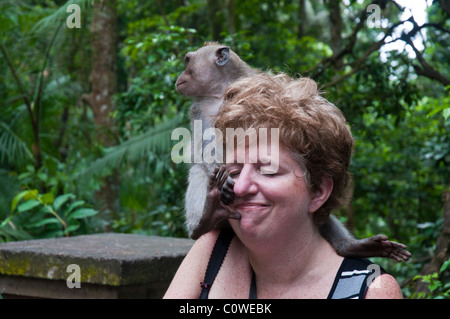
(60, 15)
(13, 150)
(155, 140)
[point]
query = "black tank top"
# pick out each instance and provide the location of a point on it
(351, 281)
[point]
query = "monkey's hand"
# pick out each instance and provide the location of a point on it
(220, 195)
(376, 246)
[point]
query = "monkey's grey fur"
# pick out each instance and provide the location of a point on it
(209, 71)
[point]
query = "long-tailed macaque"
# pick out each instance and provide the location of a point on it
(209, 71)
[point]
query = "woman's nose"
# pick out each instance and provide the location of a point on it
(245, 183)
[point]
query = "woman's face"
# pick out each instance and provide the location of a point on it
(271, 203)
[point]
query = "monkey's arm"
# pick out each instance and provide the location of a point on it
(220, 194)
(345, 245)
(195, 199)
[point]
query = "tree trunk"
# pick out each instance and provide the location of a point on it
(302, 19)
(214, 19)
(231, 17)
(104, 82)
(335, 30)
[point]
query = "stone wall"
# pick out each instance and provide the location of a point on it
(102, 266)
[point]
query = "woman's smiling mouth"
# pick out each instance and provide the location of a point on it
(250, 206)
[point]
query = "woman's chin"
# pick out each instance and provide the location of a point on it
(250, 226)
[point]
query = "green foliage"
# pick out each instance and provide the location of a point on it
(59, 15)
(164, 220)
(155, 140)
(34, 215)
(151, 96)
(390, 162)
(439, 105)
(13, 148)
(400, 119)
(438, 288)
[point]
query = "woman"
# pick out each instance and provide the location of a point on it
(275, 248)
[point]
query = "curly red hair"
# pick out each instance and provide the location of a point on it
(312, 128)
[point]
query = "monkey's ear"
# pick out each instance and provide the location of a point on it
(222, 56)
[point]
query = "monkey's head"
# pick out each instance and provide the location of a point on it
(209, 70)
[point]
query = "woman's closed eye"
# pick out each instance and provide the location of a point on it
(234, 173)
(267, 171)
(263, 170)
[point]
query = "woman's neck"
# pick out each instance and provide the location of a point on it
(290, 262)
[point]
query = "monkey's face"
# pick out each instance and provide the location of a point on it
(191, 81)
(205, 73)
(183, 84)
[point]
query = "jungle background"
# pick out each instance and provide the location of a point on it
(87, 108)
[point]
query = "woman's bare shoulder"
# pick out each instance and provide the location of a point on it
(384, 287)
(186, 282)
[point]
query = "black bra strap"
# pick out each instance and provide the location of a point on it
(215, 261)
(252, 293)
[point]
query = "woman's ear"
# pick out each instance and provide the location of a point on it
(321, 195)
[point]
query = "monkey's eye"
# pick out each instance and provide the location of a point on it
(187, 59)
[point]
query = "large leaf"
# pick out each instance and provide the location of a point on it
(82, 213)
(61, 200)
(31, 194)
(73, 206)
(28, 205)
(71, 228)
(45, 221)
